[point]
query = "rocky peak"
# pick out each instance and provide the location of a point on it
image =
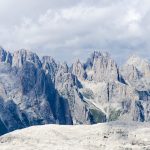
(5, 56)
(94, 57)
(98, 54)
(100, 67)
(131, 73)
(62, 74)
(135, 59)
(142, 65)
(21, 56)
(48, 59)
(63, 67)
(49, 63)
(78, 70)
(50, 66)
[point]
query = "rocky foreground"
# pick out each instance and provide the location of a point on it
(106, 136)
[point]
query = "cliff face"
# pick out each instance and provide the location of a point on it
(41, 91)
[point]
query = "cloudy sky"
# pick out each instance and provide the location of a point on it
(71, 29)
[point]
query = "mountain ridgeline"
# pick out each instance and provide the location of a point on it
(36, 91)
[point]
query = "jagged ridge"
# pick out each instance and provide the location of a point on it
(34, 91)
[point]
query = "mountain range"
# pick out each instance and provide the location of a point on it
(36, 91)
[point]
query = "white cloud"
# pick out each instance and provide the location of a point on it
(68, 30)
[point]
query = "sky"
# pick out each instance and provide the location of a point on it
(71, 29)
